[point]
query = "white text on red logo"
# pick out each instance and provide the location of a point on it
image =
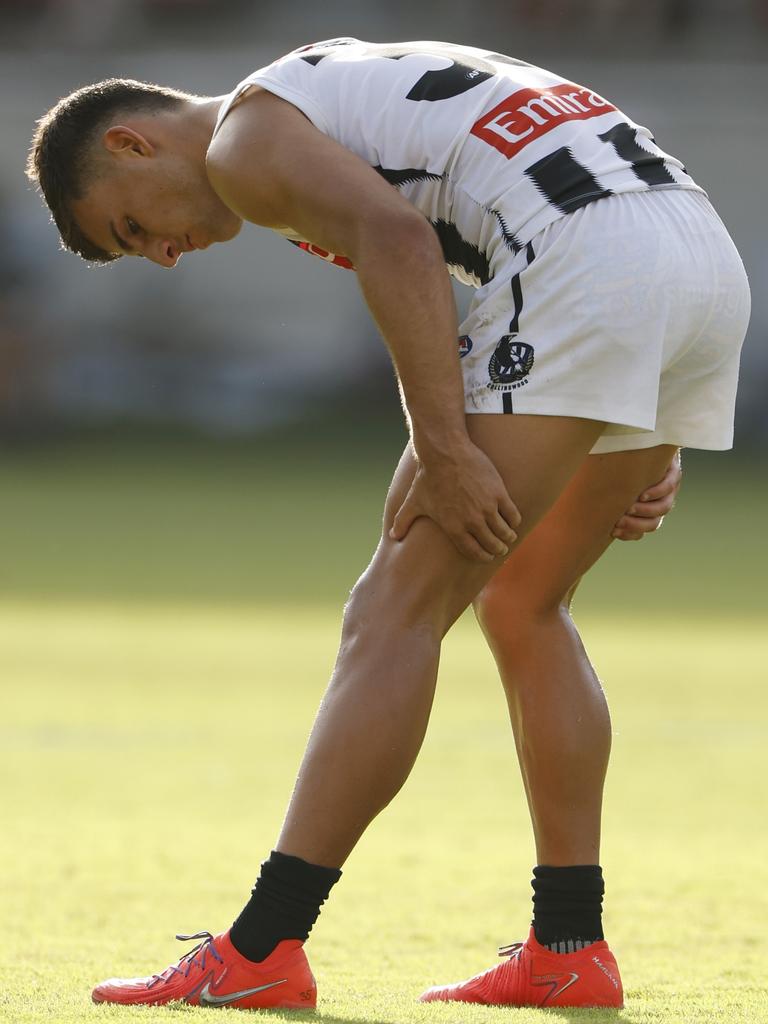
(528, 114)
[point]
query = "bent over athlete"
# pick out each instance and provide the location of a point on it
(610, 306)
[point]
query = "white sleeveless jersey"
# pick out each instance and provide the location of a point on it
(490, 149)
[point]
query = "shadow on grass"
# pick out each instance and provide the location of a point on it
(568, 1014)
(571, 1015)
(295, 1016)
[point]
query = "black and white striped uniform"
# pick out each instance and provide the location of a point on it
(489, 148)
(629, 311)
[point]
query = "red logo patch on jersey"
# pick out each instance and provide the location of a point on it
(528, 114)
(329, 257)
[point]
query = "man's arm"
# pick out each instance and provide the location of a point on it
(272, 167)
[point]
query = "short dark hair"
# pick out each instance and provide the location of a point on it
(60, 160)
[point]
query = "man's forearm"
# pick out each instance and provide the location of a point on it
(406, 285)
(408, 290)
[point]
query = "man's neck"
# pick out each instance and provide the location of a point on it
(195, 122)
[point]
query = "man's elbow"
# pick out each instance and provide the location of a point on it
(406, 236)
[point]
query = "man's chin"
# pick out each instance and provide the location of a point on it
(221, 233)
(225, 233)
(236, 230)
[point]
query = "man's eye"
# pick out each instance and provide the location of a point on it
(133, 227)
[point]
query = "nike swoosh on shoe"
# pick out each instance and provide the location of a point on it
(555, 981)
(207, 999)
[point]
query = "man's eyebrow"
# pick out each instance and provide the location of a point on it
(121, 242)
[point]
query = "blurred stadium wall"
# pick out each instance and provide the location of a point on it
(254, 332)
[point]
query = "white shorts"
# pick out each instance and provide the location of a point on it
(631, 310)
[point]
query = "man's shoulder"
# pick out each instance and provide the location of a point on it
(253, 125)
(246, 159)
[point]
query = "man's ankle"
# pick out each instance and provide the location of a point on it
(284, 904)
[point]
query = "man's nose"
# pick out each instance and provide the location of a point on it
(164, 252)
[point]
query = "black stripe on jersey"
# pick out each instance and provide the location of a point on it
(510, 240)
(463, 73)
(517, 291)
(445, 83)
(406, 175)
(514, 323)
(656, 143)
(315, 52)
(565, 182)
(458, 252)
(649, 167)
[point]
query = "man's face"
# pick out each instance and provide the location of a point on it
(155, 204)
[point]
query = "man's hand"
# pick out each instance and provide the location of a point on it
(648, 511)
(464, 494)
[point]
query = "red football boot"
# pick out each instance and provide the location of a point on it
(215, 974)
(534, 976)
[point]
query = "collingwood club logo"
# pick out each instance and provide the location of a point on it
(510, 364)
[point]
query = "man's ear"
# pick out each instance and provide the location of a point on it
(122, 140)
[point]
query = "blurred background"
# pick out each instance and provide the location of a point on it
(243, 370)
(192, 471)
(255, 333)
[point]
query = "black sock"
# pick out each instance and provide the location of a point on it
(284, 904)
(567, 906)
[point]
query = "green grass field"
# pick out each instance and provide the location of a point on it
(168, 618)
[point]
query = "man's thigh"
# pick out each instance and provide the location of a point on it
(545, 568)
(535, 455)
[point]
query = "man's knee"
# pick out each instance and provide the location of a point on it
(420, 581)
(514, 610)
(381, 606)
